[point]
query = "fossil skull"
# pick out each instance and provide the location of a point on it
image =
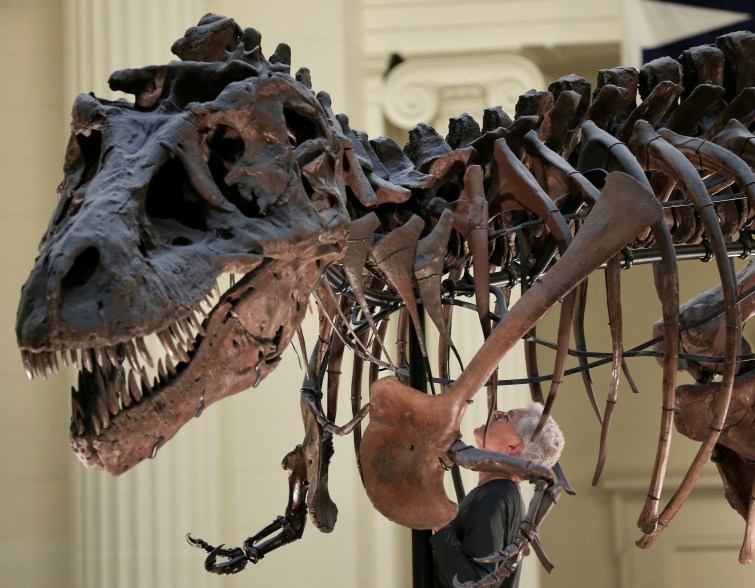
(217, 167)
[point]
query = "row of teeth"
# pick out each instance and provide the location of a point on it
(136, 373)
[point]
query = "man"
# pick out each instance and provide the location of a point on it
(489, 516)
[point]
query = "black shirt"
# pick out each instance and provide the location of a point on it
(487, 521)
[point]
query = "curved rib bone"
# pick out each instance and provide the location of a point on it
(613, 296)
(655, 153)
(410, 431)
(517, 184)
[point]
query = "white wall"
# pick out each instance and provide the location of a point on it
(34, 516)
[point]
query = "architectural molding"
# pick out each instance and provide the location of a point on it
(432, 89)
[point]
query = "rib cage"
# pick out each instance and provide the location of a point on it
(483, 208)
(690, 142)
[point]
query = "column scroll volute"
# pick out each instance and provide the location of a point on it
(427, 89)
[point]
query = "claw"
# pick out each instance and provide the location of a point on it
(236, 557)
(198, 543)
(504, 555)
(237, 561)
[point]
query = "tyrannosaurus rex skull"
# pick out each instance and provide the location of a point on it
(218, 167)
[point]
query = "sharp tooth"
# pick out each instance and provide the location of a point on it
(175, 333)
(95, 424)
(161, 370)
(112, 354)
(232, 280)
(101, 411)
(197, 324)
(74, 357)
(169, 366)
(45, 364)
(37, 365)
(167, 341)
(101, 357)
(145, 381)
(133, 360)
(182, 355)
(53, 362)
(133, 388)
(42, 364)
(106, 419)
(123, 389)
(113, 405)
(185, 326)
(86, 360)
(200, 311)
(217, 290)
(76, 411)
(181, 343)
(26, 357)
(64, 357)
(140, 345)
(126, 392)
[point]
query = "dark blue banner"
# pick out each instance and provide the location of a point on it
(747, 7)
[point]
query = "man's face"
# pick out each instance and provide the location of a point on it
(502, 435)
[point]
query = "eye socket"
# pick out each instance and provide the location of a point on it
(300, 128)
(170, 196)
(226, 148)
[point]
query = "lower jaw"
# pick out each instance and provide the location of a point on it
(236, 354)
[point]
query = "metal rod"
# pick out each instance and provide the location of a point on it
(422, 553)
(511, 275)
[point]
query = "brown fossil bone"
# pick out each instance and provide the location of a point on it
(471, 222)
(394, 254)
(661, 155)
(409, 432)
(695, 402)
(707, 338)
(428, 271)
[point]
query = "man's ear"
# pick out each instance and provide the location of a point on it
(514, 446)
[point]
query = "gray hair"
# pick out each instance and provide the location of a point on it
(547, 448)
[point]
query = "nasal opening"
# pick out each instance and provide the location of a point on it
(82, 269)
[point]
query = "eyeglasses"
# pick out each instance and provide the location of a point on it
(507, 416)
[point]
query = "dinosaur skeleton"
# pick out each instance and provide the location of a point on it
(225, 163)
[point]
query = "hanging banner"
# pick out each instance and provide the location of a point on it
(656, 28)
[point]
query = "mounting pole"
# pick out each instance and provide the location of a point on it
(422, 554)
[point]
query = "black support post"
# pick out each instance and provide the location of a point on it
(422, 555)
